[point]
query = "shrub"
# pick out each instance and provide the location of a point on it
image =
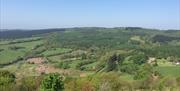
(129, 68)
(145, 71)
(52, 82)
(6, 78)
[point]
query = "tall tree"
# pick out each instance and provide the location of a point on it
(113, 62)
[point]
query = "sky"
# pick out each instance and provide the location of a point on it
(40, 14)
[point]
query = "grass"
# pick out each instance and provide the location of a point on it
(127, 77)
(55, 51)
(57, 58)
(173, 71)
(71, 61)
(12, 68)
(137, 38)
(27, 45)
(90, 65)
(54, 58)
(22, 69)
(5, 42)
(74, 63)
(9, 55)
(167, 68)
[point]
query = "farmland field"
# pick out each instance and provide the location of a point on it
(55, 51)
(8, 54)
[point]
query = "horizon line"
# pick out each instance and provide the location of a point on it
(85, 27)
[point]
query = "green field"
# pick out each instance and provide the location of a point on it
(9, 55)
(55, 51)
(173, 71)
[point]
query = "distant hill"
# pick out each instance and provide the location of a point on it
(11, 34)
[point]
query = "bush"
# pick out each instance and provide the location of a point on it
(145, 71)
(52, 82)
(6, 78)
(111, 82)
(129, 68)
(140, 58)
(29, 84)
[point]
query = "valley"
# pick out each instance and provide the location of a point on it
(94, 58)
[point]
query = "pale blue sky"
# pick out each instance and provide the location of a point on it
(37, 14)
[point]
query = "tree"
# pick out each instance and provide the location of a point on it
(52, 82)
(113, 62)
(145, 71)
(140, 58)
(129, 68)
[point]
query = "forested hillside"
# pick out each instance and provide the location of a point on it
(11, 34)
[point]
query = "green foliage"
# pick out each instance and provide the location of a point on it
(7, 80)
(51, 40)
(86, 50)
(163, 38)
(112, 82)
(129, 68)
(84, 56)
(139, 58)
(113, 62)
(52, 82)
(162, 51)
(145, 71)
(29, 84)
(84, 39)
(78, 84)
